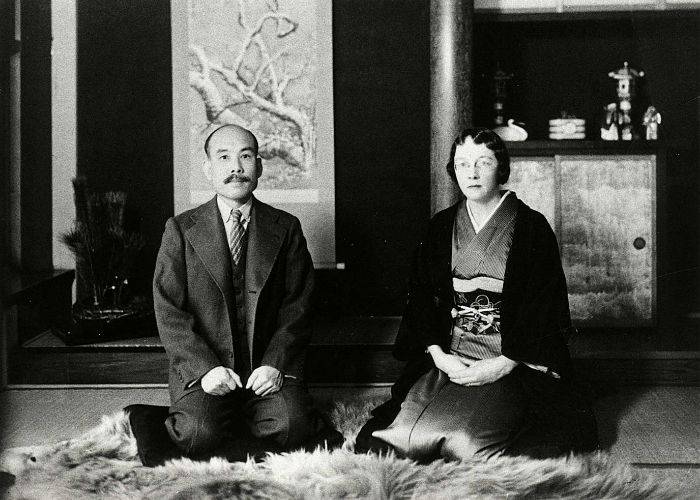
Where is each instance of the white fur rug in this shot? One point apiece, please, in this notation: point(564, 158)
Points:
point(103, 464)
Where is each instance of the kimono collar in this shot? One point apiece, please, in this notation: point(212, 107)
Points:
point(479, 227)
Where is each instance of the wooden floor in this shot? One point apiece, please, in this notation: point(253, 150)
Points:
point(654, 428)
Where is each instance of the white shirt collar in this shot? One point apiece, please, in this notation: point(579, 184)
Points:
point(225, 209)
point(479, 227)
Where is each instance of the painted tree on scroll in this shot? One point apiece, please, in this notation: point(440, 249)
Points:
point(261, 79)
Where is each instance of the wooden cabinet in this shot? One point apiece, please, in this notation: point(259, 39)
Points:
point(535, 182)
point(602, 207)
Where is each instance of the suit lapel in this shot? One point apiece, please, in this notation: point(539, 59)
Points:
point(208, 239)
point(265, 237)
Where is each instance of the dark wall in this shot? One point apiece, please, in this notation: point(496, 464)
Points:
point(7, 48)
point(124, 111)
point(35, 111)
point(382, 132)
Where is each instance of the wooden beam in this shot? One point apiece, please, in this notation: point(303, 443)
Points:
point(451, 60)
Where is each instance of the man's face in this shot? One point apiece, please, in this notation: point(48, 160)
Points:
point(233, 166)
point(476, 169)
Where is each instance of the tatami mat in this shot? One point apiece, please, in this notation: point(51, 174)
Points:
point(653, 428)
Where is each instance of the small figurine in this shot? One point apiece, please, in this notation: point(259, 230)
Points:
point(608, 130)
point(625, 77)
point(500, 78)
point(651, 122)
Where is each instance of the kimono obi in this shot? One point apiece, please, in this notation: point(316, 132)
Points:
point(478, 283)
point(476, 330)
point(478, 268)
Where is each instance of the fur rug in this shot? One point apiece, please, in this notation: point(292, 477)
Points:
point(103, 463)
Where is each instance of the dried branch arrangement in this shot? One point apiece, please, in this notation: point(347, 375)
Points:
point(105, 251)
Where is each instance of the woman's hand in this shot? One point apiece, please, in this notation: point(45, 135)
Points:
point(448, 363)
point(483, 371)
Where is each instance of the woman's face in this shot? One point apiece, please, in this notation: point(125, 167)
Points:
point(476, 169)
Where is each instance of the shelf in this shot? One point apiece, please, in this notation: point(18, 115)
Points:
point(50, 341)
point(535, 147)
point(493, 16)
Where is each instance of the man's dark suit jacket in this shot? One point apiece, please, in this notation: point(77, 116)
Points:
point(194, 297)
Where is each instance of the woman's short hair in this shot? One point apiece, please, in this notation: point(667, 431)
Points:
point(491, 140)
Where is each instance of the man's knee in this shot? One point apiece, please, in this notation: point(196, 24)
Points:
point(287, 418)
point(277, 424)
point(195, 435)
point(302, 426)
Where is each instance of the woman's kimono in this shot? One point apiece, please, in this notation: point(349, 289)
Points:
point(500, 290)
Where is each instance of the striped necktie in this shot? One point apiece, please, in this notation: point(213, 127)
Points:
point(235, 239)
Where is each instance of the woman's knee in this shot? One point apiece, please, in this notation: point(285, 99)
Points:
point(465, 445)
point(365, 442)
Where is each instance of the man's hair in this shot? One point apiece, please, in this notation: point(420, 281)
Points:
point(491, 140)
point(206, 141)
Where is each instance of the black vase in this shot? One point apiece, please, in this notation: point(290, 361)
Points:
point(91, 325)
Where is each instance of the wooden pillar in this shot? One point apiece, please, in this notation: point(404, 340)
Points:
point(451, 28)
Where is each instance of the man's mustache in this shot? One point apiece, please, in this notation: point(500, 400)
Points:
point(237, 178)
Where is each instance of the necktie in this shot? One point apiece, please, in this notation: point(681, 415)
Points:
point(235, 239)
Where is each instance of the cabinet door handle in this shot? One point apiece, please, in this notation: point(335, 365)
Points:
point(639, 243)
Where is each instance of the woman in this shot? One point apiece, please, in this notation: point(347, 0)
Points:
point(484, 330)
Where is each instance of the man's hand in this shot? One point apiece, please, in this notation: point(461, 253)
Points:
point(265, 380)
point(448, 363)
point(483, 371)
point(220, 380)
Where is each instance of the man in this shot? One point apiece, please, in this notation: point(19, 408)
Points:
point(232, 290)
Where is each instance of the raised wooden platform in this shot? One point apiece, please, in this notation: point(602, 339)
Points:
point(357, 350)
